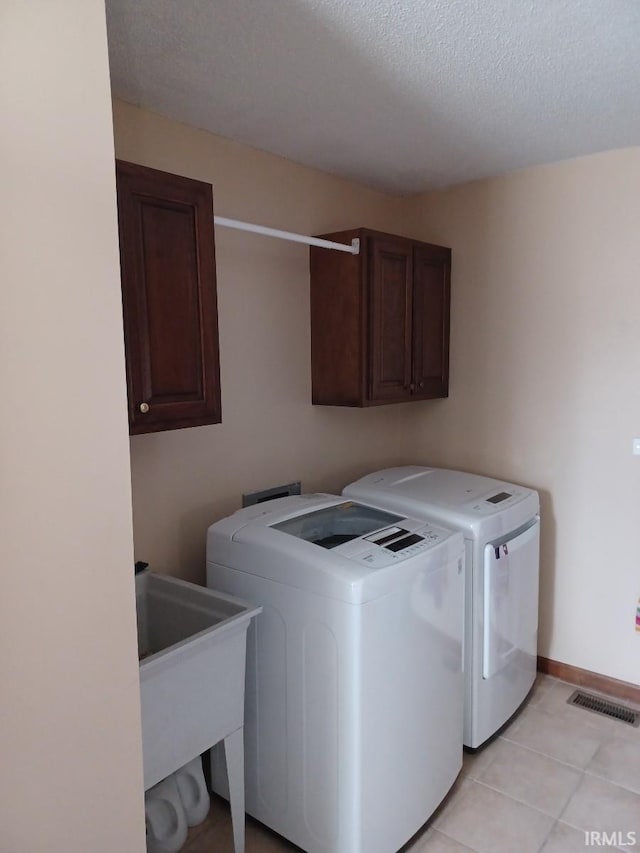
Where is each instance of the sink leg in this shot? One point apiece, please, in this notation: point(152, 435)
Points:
point(234, 754)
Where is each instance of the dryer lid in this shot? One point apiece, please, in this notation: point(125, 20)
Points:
point(453, 497)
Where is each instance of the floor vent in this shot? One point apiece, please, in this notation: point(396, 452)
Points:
point(601, 706)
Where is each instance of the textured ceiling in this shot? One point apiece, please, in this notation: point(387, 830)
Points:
point(403, 96)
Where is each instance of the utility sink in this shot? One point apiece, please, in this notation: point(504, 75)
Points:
point(192, 650)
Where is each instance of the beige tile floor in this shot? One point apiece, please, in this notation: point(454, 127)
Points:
point(553, 774)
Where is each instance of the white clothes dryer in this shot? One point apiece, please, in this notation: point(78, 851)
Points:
point(501, 526)
point(353, 721)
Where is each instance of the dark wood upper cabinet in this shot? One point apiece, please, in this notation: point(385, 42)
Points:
point(167, 261)
point(431, 301)
point(379, 320)
point(391, 302)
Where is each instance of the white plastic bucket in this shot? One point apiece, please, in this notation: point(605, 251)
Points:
point(193, 792)
point(165, 818)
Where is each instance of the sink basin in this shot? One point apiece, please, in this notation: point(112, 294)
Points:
point(192, 650)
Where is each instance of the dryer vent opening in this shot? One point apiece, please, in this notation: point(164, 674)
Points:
point(597, 705)
point(271, 494)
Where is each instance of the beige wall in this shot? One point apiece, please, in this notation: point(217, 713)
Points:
point(70, 758)
point(545, 362)
point(270, 433)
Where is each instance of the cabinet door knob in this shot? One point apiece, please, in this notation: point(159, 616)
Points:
point(144, 408)
point(421, 384)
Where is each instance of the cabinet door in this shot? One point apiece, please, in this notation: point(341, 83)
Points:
point(169, 299)
point(431, 298)
point(391, 277)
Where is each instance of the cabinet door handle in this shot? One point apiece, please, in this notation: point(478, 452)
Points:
point(412, 387)
point(144, 408)
point(421, 384)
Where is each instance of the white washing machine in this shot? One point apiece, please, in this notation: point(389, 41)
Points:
point(501, 527)
point(353, 721)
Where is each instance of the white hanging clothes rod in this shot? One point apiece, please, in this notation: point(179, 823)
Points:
point(353, 248)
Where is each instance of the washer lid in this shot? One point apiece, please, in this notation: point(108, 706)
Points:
point(343, 522)
point(330, 546)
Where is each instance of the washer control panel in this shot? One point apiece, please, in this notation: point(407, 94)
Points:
point(394, 544)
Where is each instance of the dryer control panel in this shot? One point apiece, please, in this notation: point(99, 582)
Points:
point(495, 500)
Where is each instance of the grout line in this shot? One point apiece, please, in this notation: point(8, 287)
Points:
point(522, 802)
point(572, 795)
point(455, 841)
point(546, 754)
point(548, 835)
point(581, 829)
point(554, 820)
point(611, 781)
